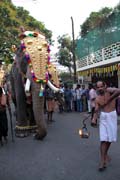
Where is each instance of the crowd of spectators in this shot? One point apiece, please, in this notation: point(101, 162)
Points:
point(79, 99)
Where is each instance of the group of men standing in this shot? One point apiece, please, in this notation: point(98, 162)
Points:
point(80, 98)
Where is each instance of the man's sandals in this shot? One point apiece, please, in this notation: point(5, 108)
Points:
point(102, 167)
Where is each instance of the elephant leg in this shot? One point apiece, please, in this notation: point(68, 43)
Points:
point(22, 128)
point(30, 116)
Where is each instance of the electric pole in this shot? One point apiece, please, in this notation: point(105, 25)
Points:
point(73, 50)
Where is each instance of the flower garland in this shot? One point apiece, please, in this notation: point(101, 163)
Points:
point(27, 57)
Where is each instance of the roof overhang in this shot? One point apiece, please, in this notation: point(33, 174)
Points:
point(100, 64)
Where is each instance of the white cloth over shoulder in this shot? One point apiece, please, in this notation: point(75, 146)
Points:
point(108, 126)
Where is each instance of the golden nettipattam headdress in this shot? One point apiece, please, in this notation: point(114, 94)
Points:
point(54, 74)
point(37, 54)
point(2, 74)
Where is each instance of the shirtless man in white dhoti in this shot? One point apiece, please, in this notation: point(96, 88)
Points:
point(105, 103)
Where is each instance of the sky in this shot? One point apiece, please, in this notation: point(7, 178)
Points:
point(56, 14)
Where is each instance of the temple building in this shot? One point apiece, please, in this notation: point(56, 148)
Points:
point(98, 53)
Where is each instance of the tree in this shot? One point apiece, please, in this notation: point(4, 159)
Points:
point(64, 53)
point(11, 19)
point(95, 20)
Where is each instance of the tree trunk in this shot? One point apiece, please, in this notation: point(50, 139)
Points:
point(70, 71)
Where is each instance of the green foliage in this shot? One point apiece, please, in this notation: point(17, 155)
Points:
point(65, 77)
point(11, 19)
point(103, 31)
point(94, 20)
point(64, 56)
point(64, 41)
point(65, 48)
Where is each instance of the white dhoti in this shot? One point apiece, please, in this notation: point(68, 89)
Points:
point(108, 126)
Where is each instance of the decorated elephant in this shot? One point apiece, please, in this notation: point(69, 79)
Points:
point(29, 74)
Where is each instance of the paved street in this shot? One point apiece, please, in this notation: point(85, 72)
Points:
point(62, 155)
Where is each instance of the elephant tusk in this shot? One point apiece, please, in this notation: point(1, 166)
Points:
point(27, 85)
point(52, 86)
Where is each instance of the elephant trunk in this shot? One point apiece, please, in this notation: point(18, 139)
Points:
point(38, 109)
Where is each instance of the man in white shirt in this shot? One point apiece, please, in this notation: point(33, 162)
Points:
point(78, 98)
point(92, 95)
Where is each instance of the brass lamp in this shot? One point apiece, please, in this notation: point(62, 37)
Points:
point(83, 132)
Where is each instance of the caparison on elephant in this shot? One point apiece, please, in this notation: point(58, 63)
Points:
point(29, 74)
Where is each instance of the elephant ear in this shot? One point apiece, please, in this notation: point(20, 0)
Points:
point(37, 49)
point(20, 61)
point(24, 65)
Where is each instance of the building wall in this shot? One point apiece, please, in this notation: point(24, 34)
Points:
point(102, 64)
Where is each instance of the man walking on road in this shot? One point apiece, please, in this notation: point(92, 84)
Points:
point(105, 102)
point(92, 97)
